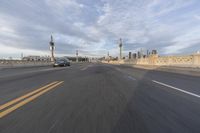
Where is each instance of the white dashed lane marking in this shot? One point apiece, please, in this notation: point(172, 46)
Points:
point(132, 78)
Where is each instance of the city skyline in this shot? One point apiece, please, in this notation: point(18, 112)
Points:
point(94, 27)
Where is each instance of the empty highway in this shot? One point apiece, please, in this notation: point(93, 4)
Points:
point(97, 98)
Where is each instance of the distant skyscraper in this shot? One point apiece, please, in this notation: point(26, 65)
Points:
point(147, 53)
point(139, 55)
point(154, 52)
point(134, 55)
point(129, 55)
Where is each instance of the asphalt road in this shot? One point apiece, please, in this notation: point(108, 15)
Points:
point(98, 98)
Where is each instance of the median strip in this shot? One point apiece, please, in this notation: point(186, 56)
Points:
point(27, 98)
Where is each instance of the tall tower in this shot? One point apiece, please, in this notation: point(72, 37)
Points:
point(120, 49)
point(52, 48)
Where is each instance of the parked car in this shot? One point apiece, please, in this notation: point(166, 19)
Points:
point(61, 62)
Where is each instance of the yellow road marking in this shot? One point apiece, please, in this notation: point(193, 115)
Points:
point(24, 96)
point(11, 109)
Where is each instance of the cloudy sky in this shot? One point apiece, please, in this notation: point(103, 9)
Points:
point(94, 26)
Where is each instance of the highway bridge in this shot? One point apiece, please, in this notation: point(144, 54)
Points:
point(97, 98)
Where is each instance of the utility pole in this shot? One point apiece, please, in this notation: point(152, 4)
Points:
point(52, 48)
point(120, 49)
point(76, 55)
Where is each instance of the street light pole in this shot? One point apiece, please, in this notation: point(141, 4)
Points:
point(52, 48)
point(76, 55)
point(108, 56)
point(120, 49)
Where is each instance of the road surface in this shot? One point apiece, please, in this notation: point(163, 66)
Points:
point(98, 98)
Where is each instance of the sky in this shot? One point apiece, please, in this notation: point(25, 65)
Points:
point(94, 27)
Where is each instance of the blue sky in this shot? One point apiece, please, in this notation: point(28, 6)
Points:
point(94, 26)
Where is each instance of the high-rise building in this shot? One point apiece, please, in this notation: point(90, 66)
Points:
point(139, 55)
point(129, 55)
point(134, 55)
point(154, 52)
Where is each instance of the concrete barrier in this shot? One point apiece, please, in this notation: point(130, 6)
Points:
point(189, 65)
point(192, 61)
point(21, 63)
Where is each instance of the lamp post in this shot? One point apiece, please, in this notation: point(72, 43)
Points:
point(120, 49)
point(108, 56)
point(76, 55)
point(52, 48)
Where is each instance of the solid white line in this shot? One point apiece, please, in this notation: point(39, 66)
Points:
point(175, 88)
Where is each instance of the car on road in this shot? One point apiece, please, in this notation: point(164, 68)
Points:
point(61, 62)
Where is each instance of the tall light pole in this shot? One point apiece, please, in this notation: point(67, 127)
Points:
point(52, 48)
point(22, 56)
point(76, 55)
point(108, 56)
point(120, 48)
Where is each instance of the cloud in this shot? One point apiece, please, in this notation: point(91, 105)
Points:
point(94, 27)
point(183, 42)
point(197, 17)
point(7, 52)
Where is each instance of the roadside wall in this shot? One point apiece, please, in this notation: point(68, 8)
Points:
point(22, 63)
point(155, 60)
